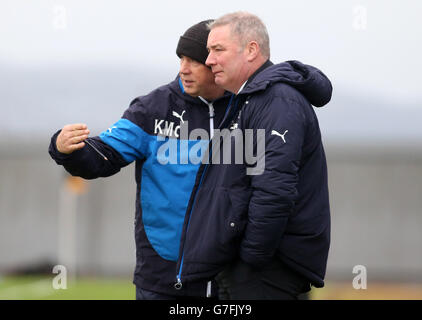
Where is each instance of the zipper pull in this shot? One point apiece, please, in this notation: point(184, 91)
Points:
point(178, 285)
point(208, 294)
point(98, 151)
point(211, 107)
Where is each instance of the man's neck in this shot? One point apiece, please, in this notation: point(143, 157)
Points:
point(215, 94)
point(253, 74)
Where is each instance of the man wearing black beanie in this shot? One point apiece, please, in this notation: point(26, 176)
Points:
point(163, 191)
point(193, 43)
point(192, 51)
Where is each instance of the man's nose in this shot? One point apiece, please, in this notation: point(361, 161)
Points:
point(184, 67)
point(210, 60)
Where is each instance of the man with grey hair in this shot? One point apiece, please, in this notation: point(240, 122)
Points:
point(267, 235)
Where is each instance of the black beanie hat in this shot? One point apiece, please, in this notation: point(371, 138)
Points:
point(193, 43)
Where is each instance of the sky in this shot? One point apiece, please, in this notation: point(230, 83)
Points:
point(367, 48)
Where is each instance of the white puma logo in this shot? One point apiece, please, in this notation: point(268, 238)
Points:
point(279, 134)
point(111, 129)
point(180, 116)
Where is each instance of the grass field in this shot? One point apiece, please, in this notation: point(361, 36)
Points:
point(374, 291)
point(40, 288)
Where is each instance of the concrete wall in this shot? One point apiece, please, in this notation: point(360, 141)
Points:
point(376, 201)
point(376, 204)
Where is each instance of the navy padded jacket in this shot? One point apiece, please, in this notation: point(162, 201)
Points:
point(280, 211)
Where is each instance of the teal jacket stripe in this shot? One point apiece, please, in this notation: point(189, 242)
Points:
point(128, 139)
point(168, 177)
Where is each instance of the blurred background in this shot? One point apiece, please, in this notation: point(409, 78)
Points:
point(84, 61)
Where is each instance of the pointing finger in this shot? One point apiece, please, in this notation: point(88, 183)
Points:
point(77, 133)
point(78, 139)
point(79, 126)
point(74, 147)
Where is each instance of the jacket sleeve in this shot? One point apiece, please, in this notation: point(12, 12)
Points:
point(86, 162)
point(274, 191)
point(121, 144)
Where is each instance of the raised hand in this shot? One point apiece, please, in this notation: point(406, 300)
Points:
point(72, 138)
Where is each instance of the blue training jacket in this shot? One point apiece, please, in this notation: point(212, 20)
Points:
point(151, 133)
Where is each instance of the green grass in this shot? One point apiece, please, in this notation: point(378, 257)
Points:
point(41, 288)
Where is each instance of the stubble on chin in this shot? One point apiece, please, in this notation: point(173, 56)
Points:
point(218, 81)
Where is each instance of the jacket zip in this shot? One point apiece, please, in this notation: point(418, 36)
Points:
point(178, 285)
point(212, 115)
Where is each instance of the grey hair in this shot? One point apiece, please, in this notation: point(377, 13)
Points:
point(246, 27)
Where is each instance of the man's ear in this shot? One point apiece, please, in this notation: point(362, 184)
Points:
point(253, 50)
